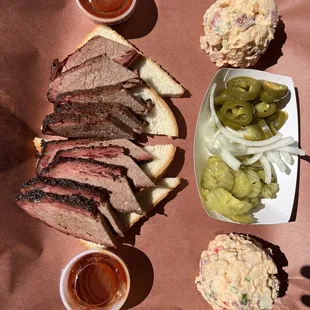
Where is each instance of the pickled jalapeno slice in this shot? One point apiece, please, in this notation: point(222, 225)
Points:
point(277, 120)
point(265, 97)
point(254, 133)
point(236, 112)
point(244, 88)
point(226, 123)
point(277, 91)
point(264, 109)
point(265, 128)
point(223, 97)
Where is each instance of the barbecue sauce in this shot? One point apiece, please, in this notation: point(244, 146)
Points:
point(96, 281)
point(106, 8)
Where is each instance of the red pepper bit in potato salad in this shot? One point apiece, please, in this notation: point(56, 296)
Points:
point(238, 32)
point(235, 273)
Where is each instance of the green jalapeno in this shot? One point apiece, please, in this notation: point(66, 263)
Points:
point(244, 88)
point(226, 123)
point(277, 120)
point(254, 133)
point(236, 112)
point(223, 97)
point(275, 90)
point(258, 132)
point(264, 109)
point(265, 97)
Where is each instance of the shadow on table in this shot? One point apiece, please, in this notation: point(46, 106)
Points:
point(135, 230)
point(305, 272)
point(141, 275)
point(177, 164)
point(15, 140)
point(280, 260)
point(20, 235)
point(142, 21)
point(179, 118)
point(274, 51)
point(296, 199)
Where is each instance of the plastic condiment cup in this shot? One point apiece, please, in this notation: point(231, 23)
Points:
point(68, 298)
point(108, 21)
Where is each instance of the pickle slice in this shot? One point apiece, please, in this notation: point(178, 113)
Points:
point(242, 185)
point(218, 174)
point(226, 204)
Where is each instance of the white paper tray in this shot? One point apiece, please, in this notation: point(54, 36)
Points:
point(277, 210)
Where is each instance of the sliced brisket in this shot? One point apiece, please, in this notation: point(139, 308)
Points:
point(95, 72)
point(124, 55)
point(69, 188)
point(71, 125)
point(98, 174)
point(50, 148)
point(73, 215)
point(107, 94)
point(114, 109)
point(111, 155)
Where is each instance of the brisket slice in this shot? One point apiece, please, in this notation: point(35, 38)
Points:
point(95, 72)
point(107, 94)
point(111, 155)
point(70, 125)
point(73, 215)
point(70, 188)
point(114, 109)
point(98, 174)
point(122, 54)
point(50, 148)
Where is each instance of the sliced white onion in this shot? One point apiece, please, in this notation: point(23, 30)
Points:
point(276, 145)
point(277, 153)
point(288, 158)
point(240, 148)
point(212, 149)
point(267, 169)
point(229, 159)
point(269, 157)
point(273, 158)
point(239, 133)
point(292, 150)
point(225, 143)
point(209, 128)
point(229, 134)
point(220, 151)
point(252, 160)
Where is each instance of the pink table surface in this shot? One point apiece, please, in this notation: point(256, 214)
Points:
point(167, 247)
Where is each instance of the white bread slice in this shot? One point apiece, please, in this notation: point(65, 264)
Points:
point(162, 158)
point(148, 199)
point(162, 154)
point(161, 119)
point(150, 72)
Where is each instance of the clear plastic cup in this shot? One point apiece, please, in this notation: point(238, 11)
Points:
point(95, 279)
point(108, 20)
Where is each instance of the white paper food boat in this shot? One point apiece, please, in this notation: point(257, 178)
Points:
point(275, 211)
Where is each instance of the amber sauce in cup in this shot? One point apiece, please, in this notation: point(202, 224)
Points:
point(106, 8)
point(96, 281)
